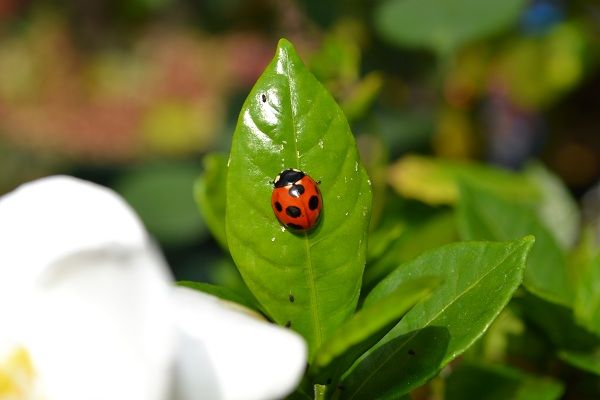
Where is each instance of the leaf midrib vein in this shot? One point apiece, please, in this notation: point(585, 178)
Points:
point(311, 274)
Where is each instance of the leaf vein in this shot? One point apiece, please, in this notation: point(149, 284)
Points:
point(312, 284)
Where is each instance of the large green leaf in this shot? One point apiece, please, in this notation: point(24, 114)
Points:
point(484, 216)
point(312, 280)
point(474, 382)
point(443, 25)
point(479, 280)
point(209, 193)
point(365, 328)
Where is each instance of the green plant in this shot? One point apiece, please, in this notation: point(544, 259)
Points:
point(413, 316)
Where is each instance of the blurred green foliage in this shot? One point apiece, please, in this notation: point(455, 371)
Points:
point(443, 26)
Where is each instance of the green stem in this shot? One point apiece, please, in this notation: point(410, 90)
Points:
point(320, 392)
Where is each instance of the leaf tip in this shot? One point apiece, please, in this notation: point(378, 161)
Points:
point(285, 45)
point(526, 243)
point(286, 51)
point(528, 240)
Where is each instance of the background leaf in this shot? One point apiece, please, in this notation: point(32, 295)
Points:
point(557, 210)
point(443, 25)
point(471, 382)
point(438, 230)
point(154, 189)
point(209, 193)
point(574, 344)
point(586, 360)
point(436, 181)
point(587, 297)
point(310, 281)
point(440, 328)
point(483, 216)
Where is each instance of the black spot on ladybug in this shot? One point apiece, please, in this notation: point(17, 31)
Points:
point(293, 211)
point(411, 352)
point(291, 297)
point(288, 324)
point(293, 226)
point(329, 380)
point(264, 98)
point(278, 206)
point(296, 190)
point(313, 203)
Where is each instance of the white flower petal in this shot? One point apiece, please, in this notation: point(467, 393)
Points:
point(82, 288)
point(226, 354)
point(52, 217)
point(101, 327)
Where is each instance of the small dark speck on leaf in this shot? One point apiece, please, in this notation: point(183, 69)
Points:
point(292, 298)
point(329, 380)
point(411, 352)
point(288, 324)
point(264, 98)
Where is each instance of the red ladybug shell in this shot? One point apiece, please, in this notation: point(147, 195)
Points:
point(296, 200)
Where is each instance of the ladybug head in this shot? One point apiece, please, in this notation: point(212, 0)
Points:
point(288, 177)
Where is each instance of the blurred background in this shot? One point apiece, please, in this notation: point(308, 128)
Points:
point(133, 94)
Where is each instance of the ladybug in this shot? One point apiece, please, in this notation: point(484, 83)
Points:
point(296, 200)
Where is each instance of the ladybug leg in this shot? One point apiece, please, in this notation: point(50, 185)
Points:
point(318, 182)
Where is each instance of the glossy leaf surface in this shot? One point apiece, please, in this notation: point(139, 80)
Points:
point(479, 279)
point(309, 281)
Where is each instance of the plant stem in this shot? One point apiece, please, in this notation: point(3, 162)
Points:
point(320, 392)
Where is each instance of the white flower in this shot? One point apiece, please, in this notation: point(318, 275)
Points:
point(88, 311)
